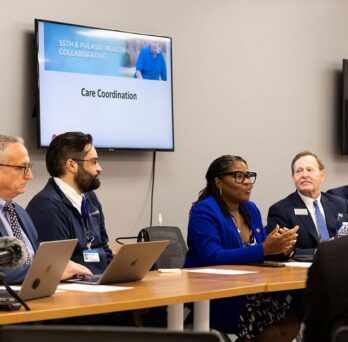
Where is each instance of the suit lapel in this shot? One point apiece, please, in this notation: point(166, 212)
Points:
point(3, 231)
point(24, 227)
point(306, 220)
point(329, 211)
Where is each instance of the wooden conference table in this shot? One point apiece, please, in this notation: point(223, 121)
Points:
point(157, 289)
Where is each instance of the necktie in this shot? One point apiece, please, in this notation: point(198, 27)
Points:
point(84, 211)
point(15, 226)
point(321, 224)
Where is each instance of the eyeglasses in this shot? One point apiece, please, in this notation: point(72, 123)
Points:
point(240, 176)
point(25, 168)
point(94, 161)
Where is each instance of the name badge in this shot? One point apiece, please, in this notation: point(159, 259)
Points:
point(91, 255)
point(301, 211)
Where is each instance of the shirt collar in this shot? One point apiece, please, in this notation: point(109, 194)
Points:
point(73, 196)
point(309, 201)
point(3, 202)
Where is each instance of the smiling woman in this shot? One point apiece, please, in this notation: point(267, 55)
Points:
point(226, 228)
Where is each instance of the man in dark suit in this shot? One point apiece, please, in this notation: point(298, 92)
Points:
point(15, 173)
point(313, 211)
point(341, 191)
point(326, 296)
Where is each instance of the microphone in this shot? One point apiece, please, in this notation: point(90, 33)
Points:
point(12, 252)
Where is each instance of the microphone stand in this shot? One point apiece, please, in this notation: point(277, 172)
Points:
point(12, 292)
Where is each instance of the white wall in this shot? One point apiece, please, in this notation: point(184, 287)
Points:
point(257, 78)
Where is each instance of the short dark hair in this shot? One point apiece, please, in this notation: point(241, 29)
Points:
point(216, 169)
point(69, 145)
point(303, 154)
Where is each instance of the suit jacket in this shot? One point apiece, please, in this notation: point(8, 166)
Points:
point(55, 218)
point(283, 213)
point(17, 275)
point(326, 296)
point(342, 191)
point(213, 239)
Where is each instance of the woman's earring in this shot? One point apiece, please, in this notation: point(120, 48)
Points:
point(220, 192)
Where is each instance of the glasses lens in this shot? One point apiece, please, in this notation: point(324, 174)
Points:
point(27, 168)
point(239, 176)
point(251, 176)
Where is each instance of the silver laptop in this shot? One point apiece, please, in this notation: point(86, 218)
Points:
point(47, 268)
point(131, 263)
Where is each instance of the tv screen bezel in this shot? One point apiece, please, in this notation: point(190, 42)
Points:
point(109, 148)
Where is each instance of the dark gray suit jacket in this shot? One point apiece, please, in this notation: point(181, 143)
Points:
point(326, 295)
point(283, 213)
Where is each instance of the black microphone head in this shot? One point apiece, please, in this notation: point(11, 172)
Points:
point(16, 253)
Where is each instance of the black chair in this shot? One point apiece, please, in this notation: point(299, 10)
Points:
point(340, 332)
point(35, 333)
point(175, 253)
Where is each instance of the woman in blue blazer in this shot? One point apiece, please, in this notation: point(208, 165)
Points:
point(226, 228)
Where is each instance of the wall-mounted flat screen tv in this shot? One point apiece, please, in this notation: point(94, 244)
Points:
point(114, 85)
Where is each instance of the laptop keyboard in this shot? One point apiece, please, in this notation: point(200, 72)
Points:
point(4, 295)
point(93, 277)
point(84, 279)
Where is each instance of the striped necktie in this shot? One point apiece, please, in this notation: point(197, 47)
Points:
point(16, 227)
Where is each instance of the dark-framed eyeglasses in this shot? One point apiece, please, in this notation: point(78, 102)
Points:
point(25, 167)
point(94, 161)
point(240, 176)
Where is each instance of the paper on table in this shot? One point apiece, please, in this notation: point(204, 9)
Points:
point(298, 264)
point(169, 270)
point(13, 287)
point(221, 271)
point(91, 288)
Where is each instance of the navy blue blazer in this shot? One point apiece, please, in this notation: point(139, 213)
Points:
point(341, 191)
point(283, 213)
point(213, 239)
point(55, 218)
point(17, 275)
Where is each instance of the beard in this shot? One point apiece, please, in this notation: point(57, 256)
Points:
point(85, 181)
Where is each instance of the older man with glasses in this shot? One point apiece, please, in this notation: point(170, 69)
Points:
point(15, 173)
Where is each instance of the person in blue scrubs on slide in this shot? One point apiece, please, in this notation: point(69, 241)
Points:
point(151, 64)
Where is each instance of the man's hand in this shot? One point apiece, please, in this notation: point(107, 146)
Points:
point(73, 269)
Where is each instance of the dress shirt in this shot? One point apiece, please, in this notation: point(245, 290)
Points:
point(73, 196)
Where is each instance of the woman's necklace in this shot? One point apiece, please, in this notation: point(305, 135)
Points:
point(236, 220)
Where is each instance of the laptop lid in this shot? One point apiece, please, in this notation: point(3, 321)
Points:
point(47, 268)
point(131, 263)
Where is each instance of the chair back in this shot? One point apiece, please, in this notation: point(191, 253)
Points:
point(175, 253)
point(340, 333)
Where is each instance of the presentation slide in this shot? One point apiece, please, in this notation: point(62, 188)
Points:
point(114, 85)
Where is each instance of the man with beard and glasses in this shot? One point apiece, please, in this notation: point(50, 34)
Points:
point(67, 207)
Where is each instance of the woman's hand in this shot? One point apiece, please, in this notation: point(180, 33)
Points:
point(280, 240)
